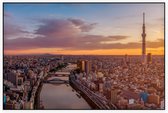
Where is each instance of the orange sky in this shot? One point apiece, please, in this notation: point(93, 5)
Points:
point(158, 51)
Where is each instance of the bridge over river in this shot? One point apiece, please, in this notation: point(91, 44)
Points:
point(56, 81)
point(59, 74)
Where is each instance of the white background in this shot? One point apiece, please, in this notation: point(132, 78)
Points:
point(79, 111)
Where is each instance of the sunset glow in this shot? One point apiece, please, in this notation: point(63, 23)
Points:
point(84, 56)
point(82, 29)
point(158, 51)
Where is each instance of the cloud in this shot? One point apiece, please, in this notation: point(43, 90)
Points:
point(88, 42)
point(67, 34)
point(85, 27)
point(117, 37)
point(63, 27)
point(93, 39)
point(39, 42)
point(80, 42)
point(156, 44)
point(12, 30)
point(130, 45)
point(57, 28)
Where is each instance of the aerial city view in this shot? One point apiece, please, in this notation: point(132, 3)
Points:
point(83, 56)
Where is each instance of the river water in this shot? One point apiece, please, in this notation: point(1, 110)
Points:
point(61, 96)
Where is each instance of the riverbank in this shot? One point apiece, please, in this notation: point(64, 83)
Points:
point(93, 99)
point(86, 97)
point(37, 104)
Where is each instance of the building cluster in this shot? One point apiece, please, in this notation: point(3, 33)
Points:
point(21, 78)
point(125, 81)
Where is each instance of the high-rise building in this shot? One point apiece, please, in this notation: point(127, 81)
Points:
point(95, 68)
point(81, 65)
point(84, 65)
point(100, 85)
point(20, 80)
point(149, 58)
point(125, 61)
point(100, 65)
point(62, 58)
point(87, 66)
point(143, 41)
point(13, 77)
point(112, 96)
point(126, 58)
point(10, 60)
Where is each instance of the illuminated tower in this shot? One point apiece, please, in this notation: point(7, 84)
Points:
point(143, 41)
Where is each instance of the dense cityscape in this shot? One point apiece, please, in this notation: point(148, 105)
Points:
point(123, 80)
point(50, 80)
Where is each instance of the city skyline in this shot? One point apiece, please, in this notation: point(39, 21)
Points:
point(81, 29)
point(83, 56)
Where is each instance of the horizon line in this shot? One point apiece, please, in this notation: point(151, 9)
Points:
point(83, 54)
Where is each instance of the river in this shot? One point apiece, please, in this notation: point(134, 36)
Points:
point(61, 96)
